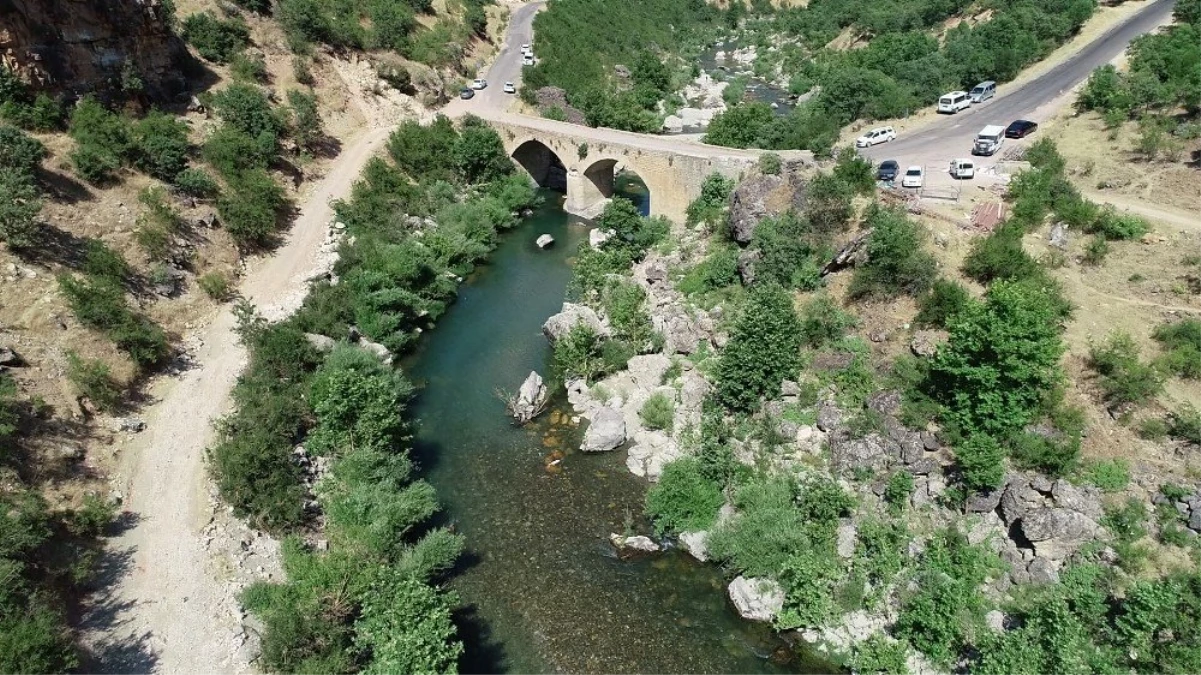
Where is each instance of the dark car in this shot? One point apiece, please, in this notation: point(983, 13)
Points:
point(888, 170)
point(1020, 129)
point(466, 93)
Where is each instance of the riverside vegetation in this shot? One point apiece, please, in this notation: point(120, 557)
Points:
point(871, 559)
point(368, 597)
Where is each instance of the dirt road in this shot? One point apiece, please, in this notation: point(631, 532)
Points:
point(164, 609)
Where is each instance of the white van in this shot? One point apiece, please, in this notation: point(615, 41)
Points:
point(983, 91)
point(989, 140)
point(954, 102)
point(963, 169)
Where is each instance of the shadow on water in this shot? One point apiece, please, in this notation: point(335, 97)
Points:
point(541, 588)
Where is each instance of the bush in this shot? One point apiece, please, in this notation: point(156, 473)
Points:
point(232, 151)
point(160, 145)
point(683, 500)
point(945, 301)
point(480, 154)
point(855, 171)
point(658, 412)
point(100, 303)
point(980, 463)
point(717, 270)
point(19, 208)
point(246, 108)
point(632, 234)
point(767, 530)
point(1095, 251)
point(215, 285)
point(1185, 424)
point(1000, 256)
point(898, 490)
point(1053, 455)
point(406, 626)
point(896, 263)
point(215, 40)
point(248, 68)
point(828, 204)
point(709, 208)
point(625, 305)
point(250, 209)
point(1181, 342)
point(1113, 225)
point(770, 164)
point(1111, 475)
point(306, 119)
point(425, 152)
point(823, 323)
point(102, 262)
point(764, 349)
point(787, 254)
point(1124, 378)
point(93, 379)
point(739, 126)
point(19, 151)
point(102, 137)
point(196, 183)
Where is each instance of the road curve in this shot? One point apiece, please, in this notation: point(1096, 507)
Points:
point(952, 135)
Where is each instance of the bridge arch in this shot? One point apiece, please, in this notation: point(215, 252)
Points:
point(542, 164)
point(594, 180)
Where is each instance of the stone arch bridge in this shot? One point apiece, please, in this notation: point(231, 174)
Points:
point(582, 161)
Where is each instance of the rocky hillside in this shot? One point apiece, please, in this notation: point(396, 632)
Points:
point(80, 46)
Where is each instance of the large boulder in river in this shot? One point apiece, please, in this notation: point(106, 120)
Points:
point(530, 398)
point(572, 314)
point(756, 599)
point(606, 431)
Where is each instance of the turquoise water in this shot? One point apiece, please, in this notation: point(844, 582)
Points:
point(542, 589)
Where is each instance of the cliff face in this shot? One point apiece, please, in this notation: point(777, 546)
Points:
point(79, 46)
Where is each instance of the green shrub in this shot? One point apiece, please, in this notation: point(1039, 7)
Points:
point(1124, 378)
point(19, 208)
point(632, 234)
point(709, 208)
point(1111, 475)
point(856, 171)
point(898, 490)
point(356, 401)
point(103, 138)
point(93, 164)
point(196, 183)
point(425, 152)
point(232, 151)
point(766, 532)
point(215, 285)
point(1053, 455)
point(250, 208)
point(578, 354)
point(945, 301)
point(19, 151)
point(625, 305)
point(1185, 423)
point(160, 145)
point(248, 68)
point(1153, 429)
point(788, 252)
point(823, 323)
point(216, 40)
point(102, 262)
point(305, 125)
point(658, 412)
point(1113, 225)
point(1181, 342)
point(879, 654)
point(93, 379)
point(683, 500)
point(896, 263)
point(479, 153)
point(100, 303)
point(828, 204)
point(1000, 256)
point(717, 270)
point(246, 108)
point(1096, 250)
point(764, 349)
point(406, 626)
point(770, 164)
point(980, 461)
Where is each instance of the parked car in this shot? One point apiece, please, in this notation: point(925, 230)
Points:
point(1020, 129)
point(527, 60)
point(983, 91)
point(877, 135)
point(466, 93)
point(479, 83)
point(915, 176)
point(963, 169)
point(509, 88)
point(525, 48)
point(953, 102)
point(888, 170)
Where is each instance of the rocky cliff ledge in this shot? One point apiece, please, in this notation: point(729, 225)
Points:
point(79, 46)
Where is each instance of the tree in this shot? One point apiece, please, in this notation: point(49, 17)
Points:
point(740, 126)
point(1001, 360)
point(855, 171)
point(246, 108)
point(306, 119)
point(632, 234)
point(20, 204)
point(828, 204)
point(764, 349)
point(896, 263)
point(214, 39)
point(250, 207)
point(480, 154)
point(425, 151)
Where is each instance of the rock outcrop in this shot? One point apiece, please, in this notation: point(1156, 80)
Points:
point(530, 399)
point(606, 431)
point(572, 314)
point(756, 599)
point(81, 46)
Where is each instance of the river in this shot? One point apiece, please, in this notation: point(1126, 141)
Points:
point(542, 589)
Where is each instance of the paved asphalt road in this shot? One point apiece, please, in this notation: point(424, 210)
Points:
point(952, 135)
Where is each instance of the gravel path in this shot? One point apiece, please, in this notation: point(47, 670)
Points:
point(169, 584)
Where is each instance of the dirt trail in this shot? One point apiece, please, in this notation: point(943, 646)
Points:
point(164, 609)
point(1162, 214)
